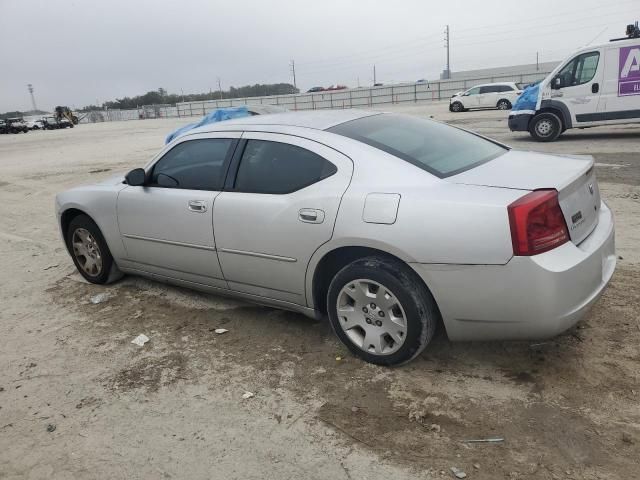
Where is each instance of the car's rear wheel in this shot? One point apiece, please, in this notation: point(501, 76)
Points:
point(89, 250)
point(381, 311)
point(457, 107)
point(504, 104)
point(545, 127)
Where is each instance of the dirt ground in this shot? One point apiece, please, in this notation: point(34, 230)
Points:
point(78, 400)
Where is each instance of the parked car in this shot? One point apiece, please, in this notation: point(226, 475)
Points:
point(389, 224)
point(17, 125)
point(64, 123)
point(4, 128)
point(35, 125)
point(50, 123)
point(315, 89)
point(337, 87)
point(596, 85)
point(491, 95)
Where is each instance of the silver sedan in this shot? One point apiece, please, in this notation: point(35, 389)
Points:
point(388, 225)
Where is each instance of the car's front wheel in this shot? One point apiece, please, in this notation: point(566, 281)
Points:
point(545, 127)
point(89, 250)
point(381, 310)
point(457, 107)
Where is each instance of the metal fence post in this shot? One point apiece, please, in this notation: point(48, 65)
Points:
point(439, 90)
point(191, 109)
point(415, 92)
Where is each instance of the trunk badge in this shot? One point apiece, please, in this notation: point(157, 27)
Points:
point(591, 188)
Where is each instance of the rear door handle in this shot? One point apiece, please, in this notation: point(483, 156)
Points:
point(199, 206)
point(311, 215)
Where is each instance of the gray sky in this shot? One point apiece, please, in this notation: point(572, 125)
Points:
point(77, 52)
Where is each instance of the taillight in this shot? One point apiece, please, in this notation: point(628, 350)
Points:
point(537, 224)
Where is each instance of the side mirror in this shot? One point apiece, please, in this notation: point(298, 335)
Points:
point(135, 177)
point(556, 83)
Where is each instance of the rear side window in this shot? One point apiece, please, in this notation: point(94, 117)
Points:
point(489, 89)
point(435, 147)
point(193, 165)
point(505, 88)
point(279, 168)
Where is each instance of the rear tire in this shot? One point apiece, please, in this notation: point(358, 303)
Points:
point(504, 104)
point(380, 309)
point(545, 127)
point(89, 250)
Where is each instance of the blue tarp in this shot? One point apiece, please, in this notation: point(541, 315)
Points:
point(212, 117)
point(527, 102)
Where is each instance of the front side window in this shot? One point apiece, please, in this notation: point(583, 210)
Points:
point(193, 165)
point(505, 88)
point(279, 168)
point(435, 147)
point(473, 91)
point(580, 70)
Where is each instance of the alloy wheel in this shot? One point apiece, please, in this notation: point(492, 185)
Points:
point(372, 317)
point(87, 252)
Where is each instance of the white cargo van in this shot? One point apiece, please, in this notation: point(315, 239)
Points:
point(597, 85)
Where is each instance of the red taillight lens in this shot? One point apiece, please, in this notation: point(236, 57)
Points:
point(537, 223)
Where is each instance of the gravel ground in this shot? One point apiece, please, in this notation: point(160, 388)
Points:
point(78, 400)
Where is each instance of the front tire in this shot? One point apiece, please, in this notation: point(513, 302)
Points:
point(89, 250)
point(380, 309)
point(457, 107)
point(545, 127)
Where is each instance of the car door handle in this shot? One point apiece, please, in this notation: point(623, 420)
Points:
point(199, 206)
point(311, 215)
point(595, 88)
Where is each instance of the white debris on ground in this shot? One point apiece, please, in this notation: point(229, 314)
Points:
point(248, 395)
point(140, 340)
point(220, 331)
point(458, 473)
point(99, 298)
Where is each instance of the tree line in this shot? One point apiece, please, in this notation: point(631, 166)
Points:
point(161, 97)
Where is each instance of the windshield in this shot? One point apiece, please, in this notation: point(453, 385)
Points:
point(435, 147)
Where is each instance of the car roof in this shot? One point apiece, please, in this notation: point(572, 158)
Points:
point(495, 83)
point(316, 119)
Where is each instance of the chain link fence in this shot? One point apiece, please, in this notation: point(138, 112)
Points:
point(365, 97)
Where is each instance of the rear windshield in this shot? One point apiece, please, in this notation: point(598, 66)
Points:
point(435, 147)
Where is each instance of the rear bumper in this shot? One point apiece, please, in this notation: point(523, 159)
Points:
point(519, 123)
point(529, 297)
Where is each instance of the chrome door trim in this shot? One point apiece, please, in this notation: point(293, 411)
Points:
point(260, 255)
point(169, 242)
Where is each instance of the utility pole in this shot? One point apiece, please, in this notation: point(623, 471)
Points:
point(220, 88)
point(374, 75)
point(447, 71)
point(293, 71)
point(33, 100)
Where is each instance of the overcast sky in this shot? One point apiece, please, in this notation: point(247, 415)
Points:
point(79, 52)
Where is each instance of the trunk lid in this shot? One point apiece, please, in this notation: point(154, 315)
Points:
point(573, 176)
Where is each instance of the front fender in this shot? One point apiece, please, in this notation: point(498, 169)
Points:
point(100, 203)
